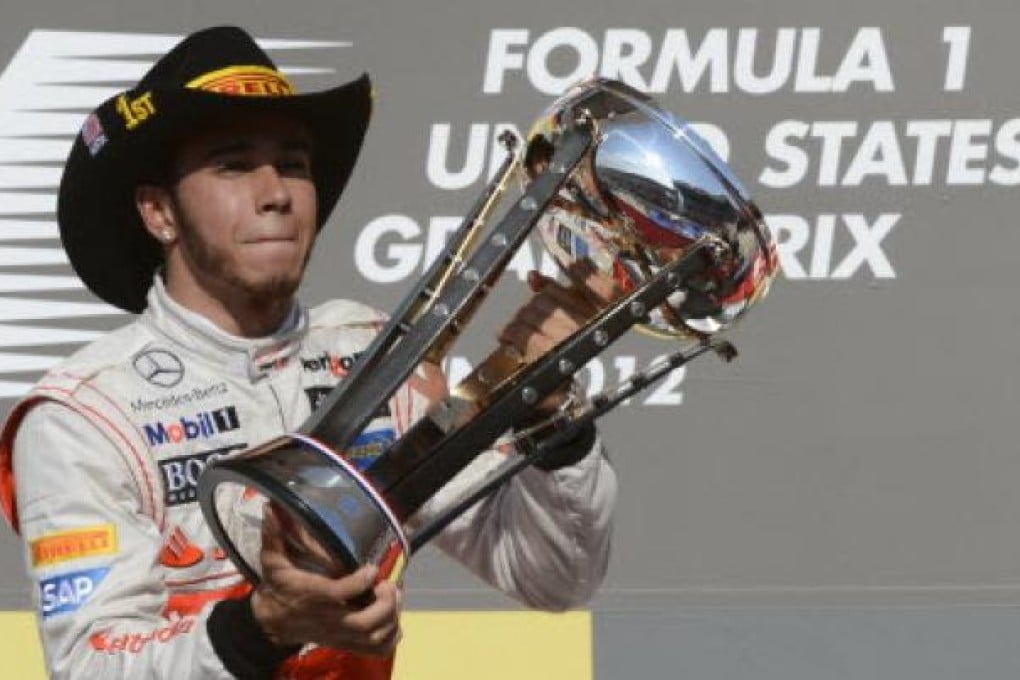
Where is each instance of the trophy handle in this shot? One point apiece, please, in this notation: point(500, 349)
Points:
point(562, 427)
point(431, 317)
point(429, 455)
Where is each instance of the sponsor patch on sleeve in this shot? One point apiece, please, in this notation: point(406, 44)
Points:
point(73, 544)
point(64, 593)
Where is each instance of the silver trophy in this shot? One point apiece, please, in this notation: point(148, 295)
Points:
point(611, 182)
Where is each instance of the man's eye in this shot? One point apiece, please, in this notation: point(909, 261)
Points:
point(233, 165)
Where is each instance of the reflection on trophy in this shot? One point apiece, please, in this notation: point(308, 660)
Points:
point(612, 183)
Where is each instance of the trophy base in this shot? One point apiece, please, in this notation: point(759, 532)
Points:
point(322, 496)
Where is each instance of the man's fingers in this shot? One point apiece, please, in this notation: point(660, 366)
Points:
point(272, 555)
point(537, 329)
point(353, 585)
point(598, 287)
point(536, 280)
point(287, 543)
point(386, 639)
point(519, 335)
point(384, 648)
point(589, 290)
point(376, 620)
point(291, 580)
point(302, 584)
point(571, 298)
point(556, 298)
point(351, 612)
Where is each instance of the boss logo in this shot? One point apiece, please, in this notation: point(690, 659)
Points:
point(180, 475)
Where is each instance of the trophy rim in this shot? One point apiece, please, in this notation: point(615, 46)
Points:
point(242, 471)
point(359, 478)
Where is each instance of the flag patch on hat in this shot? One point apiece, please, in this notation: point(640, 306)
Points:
point(92, 134)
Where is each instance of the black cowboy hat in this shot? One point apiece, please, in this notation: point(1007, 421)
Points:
point(212, 75)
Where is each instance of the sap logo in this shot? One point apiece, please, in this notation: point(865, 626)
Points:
point(202, 426)
point(66, 592)
point(338, 366)
point(180, 475)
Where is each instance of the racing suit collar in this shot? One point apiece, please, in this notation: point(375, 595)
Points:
point(253, 357)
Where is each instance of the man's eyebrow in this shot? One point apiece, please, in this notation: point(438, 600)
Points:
point(299, 144)
point(229, 147)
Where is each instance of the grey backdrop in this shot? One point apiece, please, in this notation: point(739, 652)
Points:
point(860, 453)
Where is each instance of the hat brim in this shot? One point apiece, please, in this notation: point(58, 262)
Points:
point(101, 230)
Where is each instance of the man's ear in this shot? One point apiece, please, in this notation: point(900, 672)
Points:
point(157, 212)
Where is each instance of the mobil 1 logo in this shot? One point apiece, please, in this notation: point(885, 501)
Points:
point(180, 474)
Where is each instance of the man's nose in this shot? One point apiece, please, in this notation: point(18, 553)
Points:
point(272, 192)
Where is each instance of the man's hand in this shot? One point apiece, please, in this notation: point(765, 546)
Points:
point(551, 315)
point(555, 311)
point(298, 605)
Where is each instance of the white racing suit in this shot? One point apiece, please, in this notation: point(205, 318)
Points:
point(98, 473)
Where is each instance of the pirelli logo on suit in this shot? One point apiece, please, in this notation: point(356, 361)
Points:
point(73, 544)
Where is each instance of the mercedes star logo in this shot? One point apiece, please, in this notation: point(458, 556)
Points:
point(159, 367)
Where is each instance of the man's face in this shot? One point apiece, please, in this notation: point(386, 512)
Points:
point(245, 205)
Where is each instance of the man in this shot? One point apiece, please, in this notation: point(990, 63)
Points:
point(205, 185)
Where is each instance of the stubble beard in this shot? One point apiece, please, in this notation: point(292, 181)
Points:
point(217, 275)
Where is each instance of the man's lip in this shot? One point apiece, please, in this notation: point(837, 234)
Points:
point(272, 239)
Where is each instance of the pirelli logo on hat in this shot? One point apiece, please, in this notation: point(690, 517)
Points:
point(74, 544)
point(244, 81)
